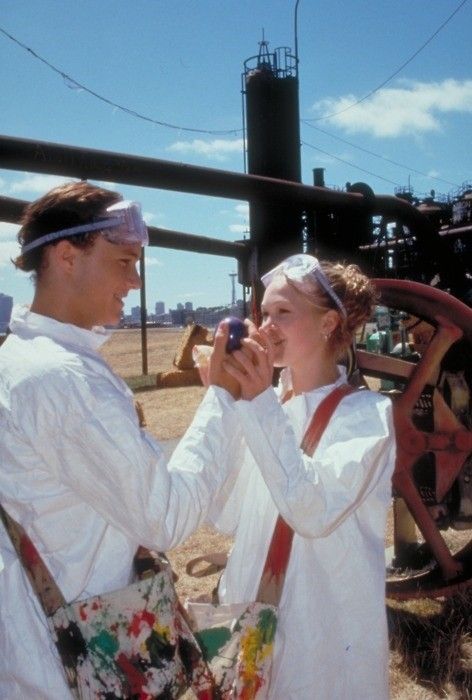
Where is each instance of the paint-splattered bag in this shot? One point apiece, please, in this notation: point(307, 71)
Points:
point(237, 642)
point(133, 643)
point(137, 642)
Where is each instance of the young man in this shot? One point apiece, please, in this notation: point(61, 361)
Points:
point(76, 471)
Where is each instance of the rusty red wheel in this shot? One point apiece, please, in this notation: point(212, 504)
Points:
point(433, 567)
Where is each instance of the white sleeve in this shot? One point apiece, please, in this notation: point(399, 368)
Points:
point(225, 510)
point(89, 438)
point(315, 494)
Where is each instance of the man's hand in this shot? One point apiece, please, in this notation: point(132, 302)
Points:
point(217, 371)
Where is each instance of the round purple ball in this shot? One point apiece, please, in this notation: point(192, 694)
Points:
point(237, 331)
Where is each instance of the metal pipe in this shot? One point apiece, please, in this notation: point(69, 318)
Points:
point(143, 310)
point(87, 163)
point(166, 238)
point(11, 210)
point(73, 161)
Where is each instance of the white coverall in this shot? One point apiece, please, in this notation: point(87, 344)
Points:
point(331, 641)
point(87, 484)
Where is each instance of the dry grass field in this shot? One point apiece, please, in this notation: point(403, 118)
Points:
point(430, 641)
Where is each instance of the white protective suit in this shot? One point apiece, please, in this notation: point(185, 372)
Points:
point(331, 640)
point(87, 484)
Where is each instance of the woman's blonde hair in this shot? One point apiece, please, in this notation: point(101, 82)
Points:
point(358, 295)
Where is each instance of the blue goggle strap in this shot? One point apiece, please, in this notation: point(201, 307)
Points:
point(65, 232)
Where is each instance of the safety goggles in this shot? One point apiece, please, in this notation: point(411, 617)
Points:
point(123, 223)
point(304, 270)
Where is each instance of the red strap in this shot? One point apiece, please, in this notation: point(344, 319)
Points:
point(255, 306)
point(321, 417)
point(273, 575)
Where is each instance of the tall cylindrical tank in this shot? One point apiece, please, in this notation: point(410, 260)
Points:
point(273, 149)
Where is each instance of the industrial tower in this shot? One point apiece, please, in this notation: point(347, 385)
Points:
point(272, 128)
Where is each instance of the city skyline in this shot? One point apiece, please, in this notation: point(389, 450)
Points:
point(180, 315)
point(150, 305)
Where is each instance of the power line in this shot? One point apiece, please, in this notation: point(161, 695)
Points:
point(131, 112)
point(395, 73)
point(169, 125)
point(352, 165)
point(377, 155)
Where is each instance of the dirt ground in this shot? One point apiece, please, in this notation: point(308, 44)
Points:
point(168, 412)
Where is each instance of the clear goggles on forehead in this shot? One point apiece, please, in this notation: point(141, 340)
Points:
point(304, 270)
point(123, 223)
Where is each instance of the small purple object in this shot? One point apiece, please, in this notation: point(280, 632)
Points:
point(237, 330)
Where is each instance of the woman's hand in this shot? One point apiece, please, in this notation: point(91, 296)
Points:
point(201, 357)
point(252, 366)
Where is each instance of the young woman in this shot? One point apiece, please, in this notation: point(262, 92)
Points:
point(331, 641)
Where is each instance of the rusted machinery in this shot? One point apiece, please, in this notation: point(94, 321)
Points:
point(433, 471)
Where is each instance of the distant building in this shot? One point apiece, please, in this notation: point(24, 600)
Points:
point(205, 316)
point(178, 316)
point(6, 305)
point(136, 314)
point(159, 308)
point(210, 317)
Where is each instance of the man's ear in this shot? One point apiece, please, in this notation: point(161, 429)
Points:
point(63, 255)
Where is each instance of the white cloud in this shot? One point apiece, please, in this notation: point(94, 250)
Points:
point(108, 185)
point(190, 295)
point(8, 250)
point(412, 108)
point(148, 217)
point(37, 184)
point(242, 209)
point(8, 231)
point(217, 149)
point(153, 262)
point(242, 212)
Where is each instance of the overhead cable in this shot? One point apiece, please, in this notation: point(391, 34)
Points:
point(221, 132)
point(352, 165)
point(132, 112)
point(377, 155)
point(395, 73)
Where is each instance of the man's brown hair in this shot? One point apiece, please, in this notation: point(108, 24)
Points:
point(71, 204)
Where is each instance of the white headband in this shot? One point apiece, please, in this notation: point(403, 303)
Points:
point(299, 268)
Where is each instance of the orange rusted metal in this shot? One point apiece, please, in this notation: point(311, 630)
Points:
point(451, 442)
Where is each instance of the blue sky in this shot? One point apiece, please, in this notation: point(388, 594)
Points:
point(180, 62)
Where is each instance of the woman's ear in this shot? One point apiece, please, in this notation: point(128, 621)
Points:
point(330, 322)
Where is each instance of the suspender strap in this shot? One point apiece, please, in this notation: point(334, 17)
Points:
point(38, 574)
point(322, 416)
point(273, 574)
